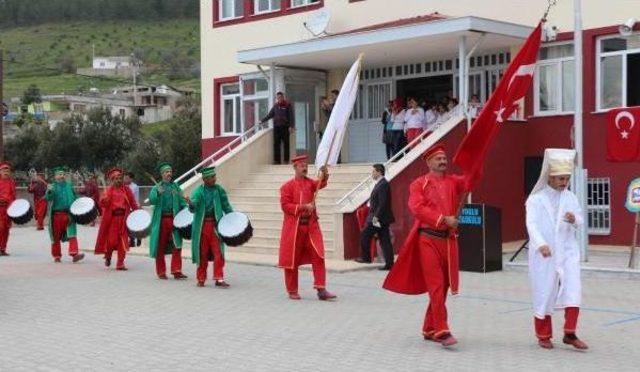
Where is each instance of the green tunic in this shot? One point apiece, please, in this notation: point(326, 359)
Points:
point(170, 200)
point(202, 197)
point(60, 199)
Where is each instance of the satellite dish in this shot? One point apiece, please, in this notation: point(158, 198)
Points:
point(318, 22)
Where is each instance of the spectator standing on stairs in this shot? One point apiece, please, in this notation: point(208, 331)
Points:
point(283, 127)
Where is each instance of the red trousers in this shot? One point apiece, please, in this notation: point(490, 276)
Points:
point(166, 239)
point(210, 246)
point(435, 266)
point(413, 133)
point(5, 226)
point(304, 248)
point(40, 213)
point(116, 241)
point(544, 330)
point(59, 223)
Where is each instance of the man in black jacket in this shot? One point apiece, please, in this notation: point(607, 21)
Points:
point(378, 221)
point(282, 115)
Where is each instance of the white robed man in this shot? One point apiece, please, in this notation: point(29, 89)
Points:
point(553, 216)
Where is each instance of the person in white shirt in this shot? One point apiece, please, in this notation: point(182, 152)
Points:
point(553, 216)
point(135, 189)
point(397, 127)
point(430, 118)
point(414, 120)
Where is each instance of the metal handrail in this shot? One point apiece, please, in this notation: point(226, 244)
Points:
point(211, 159)
point(458, 110)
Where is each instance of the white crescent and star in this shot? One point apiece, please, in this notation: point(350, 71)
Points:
point(625, 114)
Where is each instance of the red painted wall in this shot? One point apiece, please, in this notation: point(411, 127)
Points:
point(211, 145)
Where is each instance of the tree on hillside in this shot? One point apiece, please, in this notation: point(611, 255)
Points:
point(66, 64)
point(185, 134)
point(33, 12)
point(23, 149)
point(31, 95)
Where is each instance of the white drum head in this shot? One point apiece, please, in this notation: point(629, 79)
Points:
point(183, 219)
point(82, 206)
point(18, 208)
point(233, 224)
point(138, 220)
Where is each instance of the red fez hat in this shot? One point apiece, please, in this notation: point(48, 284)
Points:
point(436, 149)
point(299, 159)
point(5, 165)
point(114, 172)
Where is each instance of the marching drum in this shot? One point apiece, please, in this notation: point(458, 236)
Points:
point(182, 222)
point(84, 210)
point(20, 211)
point(235, 229)
point(139, 224)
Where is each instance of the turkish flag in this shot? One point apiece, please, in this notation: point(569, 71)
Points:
point(513, 86)
point(623, 134)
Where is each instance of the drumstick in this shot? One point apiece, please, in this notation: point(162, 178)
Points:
point(158, 184)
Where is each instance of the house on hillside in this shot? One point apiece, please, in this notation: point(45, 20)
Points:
point(110, 66)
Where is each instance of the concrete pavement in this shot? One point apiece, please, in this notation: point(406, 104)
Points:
point(84, 317)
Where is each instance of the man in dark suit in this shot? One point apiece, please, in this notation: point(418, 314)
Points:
point(378, 221)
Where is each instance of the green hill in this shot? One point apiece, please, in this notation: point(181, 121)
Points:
point(47, 55)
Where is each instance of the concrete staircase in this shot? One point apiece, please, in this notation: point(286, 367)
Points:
point(258, 195)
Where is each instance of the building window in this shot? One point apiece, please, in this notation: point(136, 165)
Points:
point(554, 80)
point(255, 100)
point(230, 109)
point(599, 206)
point(371, 101)
point(378, 96)
point(618, 72)
point(299, 3)
point(230, 9)
point(266, 6)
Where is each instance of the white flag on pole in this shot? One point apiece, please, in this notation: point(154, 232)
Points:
point(331, 144)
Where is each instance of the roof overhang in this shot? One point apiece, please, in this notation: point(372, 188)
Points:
point(417, 42)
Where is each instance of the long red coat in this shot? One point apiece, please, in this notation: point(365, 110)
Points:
point(293, 194)
point(431, 198)
point(38, 189)
point(107, 209)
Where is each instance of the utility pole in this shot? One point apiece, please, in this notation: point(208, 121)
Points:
point(135, 88)
point(1, 105)
point(581, 176)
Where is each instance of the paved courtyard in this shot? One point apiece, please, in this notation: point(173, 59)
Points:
point(84, 317)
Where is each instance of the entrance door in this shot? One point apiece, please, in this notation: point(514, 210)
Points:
point(429, 89)
point(303, 99)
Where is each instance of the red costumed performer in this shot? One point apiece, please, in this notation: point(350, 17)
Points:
point(7, 196)
point(301, 239)
point(117, 202)
point(428, 261)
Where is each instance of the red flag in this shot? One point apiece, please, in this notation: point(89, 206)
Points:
point(512, 87)
point(623, 134)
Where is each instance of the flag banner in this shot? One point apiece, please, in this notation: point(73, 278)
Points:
point(623, 134)
point(333, 136)
point(513, 86)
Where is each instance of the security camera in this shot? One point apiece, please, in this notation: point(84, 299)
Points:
point(626, 28)
point(550, 33)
